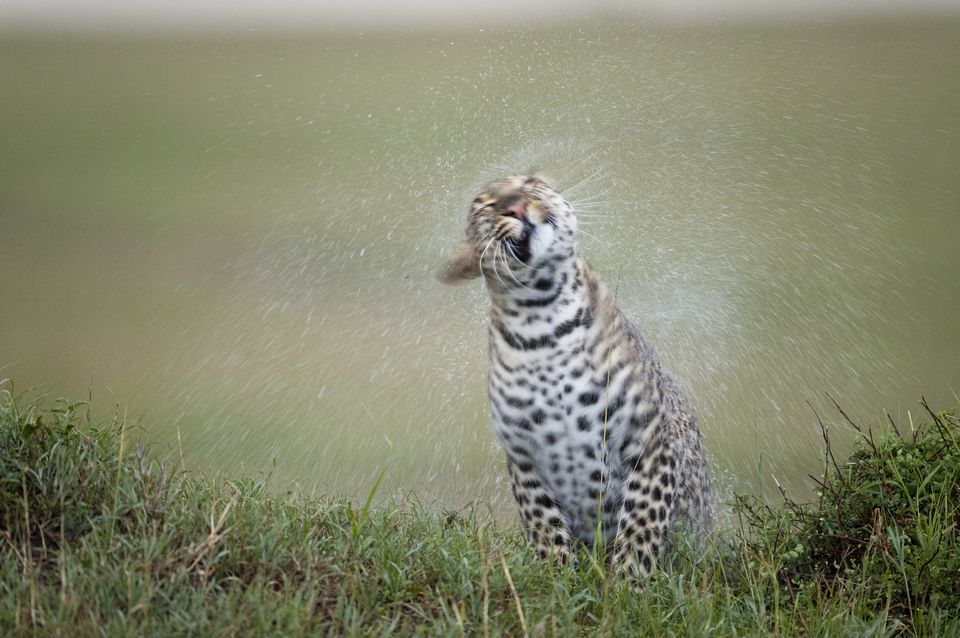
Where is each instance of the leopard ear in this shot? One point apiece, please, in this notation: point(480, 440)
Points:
point(462, 267)
point(539, 176)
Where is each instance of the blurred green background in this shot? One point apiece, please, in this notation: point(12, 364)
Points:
point(233, 238)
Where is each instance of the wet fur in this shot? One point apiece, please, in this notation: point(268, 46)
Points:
point(593, 428)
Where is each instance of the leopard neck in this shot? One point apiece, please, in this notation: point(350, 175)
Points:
point(550, 309)
point(525, 290)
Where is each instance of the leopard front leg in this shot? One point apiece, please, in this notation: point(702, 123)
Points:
point(546, 526)
point(645, 513)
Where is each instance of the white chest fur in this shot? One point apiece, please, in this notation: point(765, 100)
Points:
point(555, 408)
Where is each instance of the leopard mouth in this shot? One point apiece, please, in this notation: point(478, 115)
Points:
point(520, 245)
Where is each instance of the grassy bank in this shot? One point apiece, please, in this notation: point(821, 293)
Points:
point(100, 539)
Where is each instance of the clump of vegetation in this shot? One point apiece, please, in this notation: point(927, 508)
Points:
point(885, 527)
point(98, 539)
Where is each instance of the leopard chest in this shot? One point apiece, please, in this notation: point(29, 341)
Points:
point(552, 412)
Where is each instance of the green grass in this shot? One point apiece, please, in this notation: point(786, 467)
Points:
point(98, 539)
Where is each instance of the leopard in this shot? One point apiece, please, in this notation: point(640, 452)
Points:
point(602, 447)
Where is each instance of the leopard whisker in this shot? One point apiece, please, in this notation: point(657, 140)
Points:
point(506, 265)
point(556, 277)
point(590, 158)
point(585, 181)
point(581, 214)
point(484, 252)
point(589, 222)
point(591, 205)
point(588, 201)
point(590, 198)
point(603, 243)
point(495, 251)
point(516, 257)
point(501, 253)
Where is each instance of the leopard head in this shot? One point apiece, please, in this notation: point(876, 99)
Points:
point(515, 225)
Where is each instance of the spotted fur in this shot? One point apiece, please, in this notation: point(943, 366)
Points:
point(594, 430)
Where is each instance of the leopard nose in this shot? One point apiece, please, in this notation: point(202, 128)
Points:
point(517, 207)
